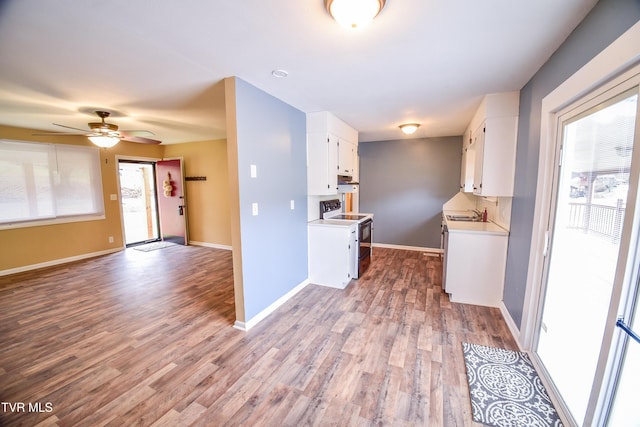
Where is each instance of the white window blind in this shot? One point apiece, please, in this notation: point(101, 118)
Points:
point(48, 182)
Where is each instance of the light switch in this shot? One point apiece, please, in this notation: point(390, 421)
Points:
point(254, 209)
point(293, 204)
point(114, 197)
point(254, 171)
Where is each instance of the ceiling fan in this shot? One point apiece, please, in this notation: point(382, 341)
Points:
point(105, 134)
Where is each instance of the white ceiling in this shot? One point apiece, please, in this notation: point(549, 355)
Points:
point(158, 64)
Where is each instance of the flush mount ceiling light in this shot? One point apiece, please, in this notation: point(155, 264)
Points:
point(104, 141)
point(279, 73)
point(354, 13)
point(409, 128)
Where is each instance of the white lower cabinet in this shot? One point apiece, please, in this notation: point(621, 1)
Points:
point(333, 254)
point(475, 267)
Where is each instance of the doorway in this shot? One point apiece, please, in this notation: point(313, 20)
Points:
point(172, 201)
point(139, 202)
point(589, 255)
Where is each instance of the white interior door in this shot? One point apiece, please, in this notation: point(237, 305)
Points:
point(586, 225)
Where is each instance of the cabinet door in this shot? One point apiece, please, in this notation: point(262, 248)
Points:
point(495, 157)
point(463, 168)
point(329, 256)
point(353, 251)
point(478, 143)
point(333, 161)
point(322, 164)
point(468, 163)
point(346, 152)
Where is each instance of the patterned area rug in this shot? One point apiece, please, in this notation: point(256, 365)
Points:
point(506, 389)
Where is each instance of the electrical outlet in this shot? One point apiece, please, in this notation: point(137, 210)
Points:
point(254, 209)
point(110, 239)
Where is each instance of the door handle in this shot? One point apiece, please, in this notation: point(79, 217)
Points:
point(181, 210)
point(620, 324)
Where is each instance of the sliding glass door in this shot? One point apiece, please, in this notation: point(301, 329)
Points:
point(583, 273)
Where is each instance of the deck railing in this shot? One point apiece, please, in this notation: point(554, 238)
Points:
point(600, 219)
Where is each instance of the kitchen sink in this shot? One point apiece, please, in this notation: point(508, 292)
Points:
point(464, 218)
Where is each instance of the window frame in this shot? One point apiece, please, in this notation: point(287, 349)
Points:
point(58, 218)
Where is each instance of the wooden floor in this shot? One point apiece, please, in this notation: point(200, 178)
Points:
point(146, 338)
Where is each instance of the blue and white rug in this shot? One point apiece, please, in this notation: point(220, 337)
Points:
point(506, 390)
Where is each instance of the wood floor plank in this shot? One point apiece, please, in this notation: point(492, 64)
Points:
point(147, 338)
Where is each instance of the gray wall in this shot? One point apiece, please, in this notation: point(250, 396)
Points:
point(606, 22)
point(272, 136)
point(404, 184)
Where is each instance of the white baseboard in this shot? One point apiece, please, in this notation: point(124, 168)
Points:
point(408, 248)
point(245, 326)
point(210, 245)
point(510, 324)
point(57, 262)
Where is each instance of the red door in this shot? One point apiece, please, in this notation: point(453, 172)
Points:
point(172, 205)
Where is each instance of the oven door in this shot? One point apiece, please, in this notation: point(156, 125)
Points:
point(365, 229)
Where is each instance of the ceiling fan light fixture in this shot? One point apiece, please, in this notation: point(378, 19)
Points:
point(409, 128)
point(104, 141)
point(354, 14)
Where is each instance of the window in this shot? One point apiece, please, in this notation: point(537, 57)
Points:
point(48, 183)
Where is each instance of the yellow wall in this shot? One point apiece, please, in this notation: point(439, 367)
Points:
point(22, 247)
point(207, 201)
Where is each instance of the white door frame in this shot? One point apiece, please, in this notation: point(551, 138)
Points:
point(612, 66)
point(621, 55)
point(123, 157)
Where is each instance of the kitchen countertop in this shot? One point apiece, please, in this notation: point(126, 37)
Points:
point(332, 222)
point(472, 226)
point(342, 222)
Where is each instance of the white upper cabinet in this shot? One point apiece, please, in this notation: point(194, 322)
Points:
point(492, 152)
point(468, 164)
point(331, 151)
point(346, 157)
point(322, 164)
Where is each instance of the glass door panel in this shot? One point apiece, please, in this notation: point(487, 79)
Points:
point(586, 226)
point(139, 202)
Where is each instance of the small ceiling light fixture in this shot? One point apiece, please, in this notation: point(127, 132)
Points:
point(409, 128)
point(279, 73)
point(354, 13)
point(104, 141)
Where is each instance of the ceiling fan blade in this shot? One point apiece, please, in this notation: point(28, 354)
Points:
point(69, 127)
point(139, 139)
point(136, 132)
point(59, 134)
